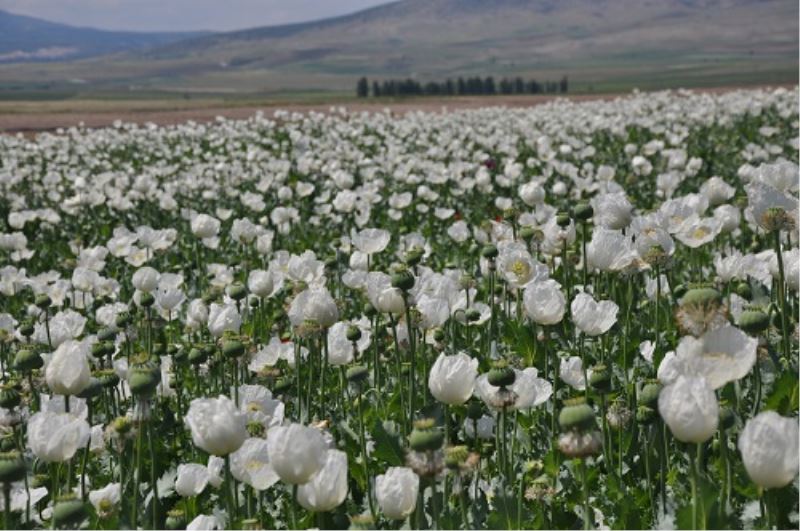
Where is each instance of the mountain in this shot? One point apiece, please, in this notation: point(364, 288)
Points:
point(597, 43)
point(25, 39)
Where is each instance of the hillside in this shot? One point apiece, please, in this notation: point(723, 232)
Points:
point(25, 39)
point(600, 43)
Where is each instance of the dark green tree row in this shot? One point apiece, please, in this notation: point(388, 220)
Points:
point(459, 87)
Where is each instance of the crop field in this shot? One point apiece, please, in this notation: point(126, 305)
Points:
point(582, 314)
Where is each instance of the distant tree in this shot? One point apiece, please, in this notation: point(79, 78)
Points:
point(506, 86)
point(519, 86)
point(449, 87)
point(563, 85)
point(376, 89)
point(362, 88)
point(488, 86)
point(461, 86)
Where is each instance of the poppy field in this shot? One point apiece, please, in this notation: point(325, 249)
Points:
point(573, 315)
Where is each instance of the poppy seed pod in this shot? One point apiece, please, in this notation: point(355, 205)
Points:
point(562, 219)
point(197, 356)
point(701, 297)
point(600, 379)
point(489, 252)
point(176, 519)
point(236, 291)
point(472, 315)
point(744, 290)
point(357, 374)
point(233, 348)
point(645, 415)
point(353, 333)
point(9, 397)
point(527, 233)
point(12, 467)
point(474, 410)
point(42, 301)
point(146, 300)
point(576, 415)
point(753, 321)
point(403, 280)
point(108, 378)
point(648, 396)
point(123, 319)
point(26, 329)
point(426, 439)
point(583, 211)
point(69, 512)
point(727, 418)
point(281, 386)
point(27, 360)
point(502, 376)
point(143, 379)
point(413, 257)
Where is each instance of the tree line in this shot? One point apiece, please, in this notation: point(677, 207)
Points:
point(458, 87)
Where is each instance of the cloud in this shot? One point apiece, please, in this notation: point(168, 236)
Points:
point(183, 15)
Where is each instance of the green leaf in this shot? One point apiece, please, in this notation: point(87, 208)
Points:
point(784, 395)
point(387, 445)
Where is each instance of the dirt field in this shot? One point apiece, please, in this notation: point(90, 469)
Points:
point(30, 118)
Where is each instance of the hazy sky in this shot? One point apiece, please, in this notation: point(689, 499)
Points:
point(180, 15)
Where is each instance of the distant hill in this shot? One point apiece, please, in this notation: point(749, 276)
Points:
point(25, 39)
point(600, 44)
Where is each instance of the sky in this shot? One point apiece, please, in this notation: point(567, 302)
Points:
point(183, 15)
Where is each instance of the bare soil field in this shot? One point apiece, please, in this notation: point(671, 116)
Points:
point(30, 118)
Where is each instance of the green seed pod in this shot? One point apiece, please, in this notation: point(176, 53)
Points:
point(331, 263)
point(9, 397)
point(26, 329)
point(472, 315)
point(645, 415)
point(455, 456)
point(281, 386)
point(232, 348)
point(502, 376)
point(583, 211)
point(753, 321)
point(776, 319)
point(27, 360)
point(98, 350)
point(108, 378)
point(69, 512)
point(438, 335)
point(562, 219)
point(42, 301)
point(106, 334)
point(236, 291)
point(600, 379)
point(369, 310)
point(489, 252)
point(123, 319)
point(179, 355)
point(744, 290)
point(357, 374)
point(12, 467)
point(146, 300)
point(8, 444)
point(527, 233)
point(197, 356)
point(403, 280)
point(143, 379)
point(176, 519)
point(94, 388)
point(353, 333)
point(727, 418)
point(648, 396)
point(426, 440)
point(576, 415)
point(679, 291)
point(701, 297)
point(413, 257)
point(474, 410)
